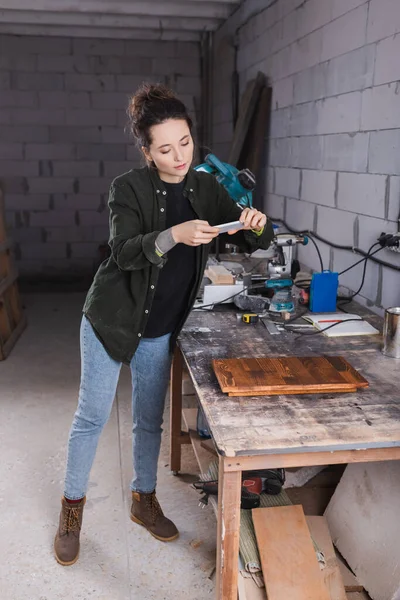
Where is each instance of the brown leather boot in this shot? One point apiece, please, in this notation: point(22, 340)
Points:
point(147, 512)
point(66, 543)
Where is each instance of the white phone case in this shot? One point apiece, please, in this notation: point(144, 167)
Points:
point(224, 227)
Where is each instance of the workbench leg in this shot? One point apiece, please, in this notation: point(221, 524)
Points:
point(176, 411)
point(229, 492)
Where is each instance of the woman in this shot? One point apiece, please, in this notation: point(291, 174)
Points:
point(162, 221)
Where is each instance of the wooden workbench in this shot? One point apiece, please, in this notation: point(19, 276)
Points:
point(280, 431)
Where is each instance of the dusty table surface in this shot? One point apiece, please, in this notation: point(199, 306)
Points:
point(369, 418)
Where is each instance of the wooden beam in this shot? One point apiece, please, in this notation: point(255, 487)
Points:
point(103, 33)
point(176, 411)
point(307, 459)
point(228, 527)
point(8, 281)
point(331, 573)
point(94, 20)
point(157, 8)
point(288, 558)
point(247, 107)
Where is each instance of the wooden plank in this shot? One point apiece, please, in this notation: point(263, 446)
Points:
point(209, 446)
point(350, 581)
point(228, 526)
point(7, 347)
point(12, 319)
point(220, 275)
point(176, 411)
point(331, 573)
point(249, 590)
point(8, 281)
point(294, 391)
point(286, 375)
point(3, 236)
point(288, 559)
point(306, 459)
point(246, 111)
point(203, 456)
point(254, 146)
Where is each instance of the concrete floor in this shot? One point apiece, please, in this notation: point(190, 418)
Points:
point(119, 560)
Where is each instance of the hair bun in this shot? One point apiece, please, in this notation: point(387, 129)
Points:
point(147, 97)
point(151, 104)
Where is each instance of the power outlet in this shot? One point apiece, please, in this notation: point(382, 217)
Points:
point(395, 248)
point(391, 241)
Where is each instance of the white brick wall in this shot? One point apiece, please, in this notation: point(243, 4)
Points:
point(62, 139)
point(383, 19)
point(384, 152)
point(346, 152)
point(345, 34)
point(381, 107)
point(319, 187)
point(287, 182)
point(362, 194)
point(299, 215)
point(334, 69)
point(387, 64)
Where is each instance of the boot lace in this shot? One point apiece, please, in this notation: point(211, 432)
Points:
point(153, 507)
point(71, 519)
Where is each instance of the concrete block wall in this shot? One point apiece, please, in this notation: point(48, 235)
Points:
point(62, 138)
point(334, 146)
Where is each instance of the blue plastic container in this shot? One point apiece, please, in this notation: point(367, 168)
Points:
point(323, 291)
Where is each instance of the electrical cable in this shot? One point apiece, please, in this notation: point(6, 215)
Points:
point(318, 252)
point(337, 246)
point(249, 287)
point(326, 328)
point(366, 258)
point(352, 296)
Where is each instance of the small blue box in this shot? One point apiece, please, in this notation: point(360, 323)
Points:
point(323, 291)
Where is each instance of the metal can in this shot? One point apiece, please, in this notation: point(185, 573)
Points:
point(391, 332)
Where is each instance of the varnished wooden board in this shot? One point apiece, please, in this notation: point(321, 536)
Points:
point(288, 558)
point(289, 391)
point(287, 375)
point(331, 573)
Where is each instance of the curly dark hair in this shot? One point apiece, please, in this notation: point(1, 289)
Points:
point(153, 104)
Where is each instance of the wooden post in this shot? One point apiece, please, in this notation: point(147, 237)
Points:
point(176, 411)
point(229, 492)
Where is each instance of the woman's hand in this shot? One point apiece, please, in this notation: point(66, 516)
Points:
point(253, 220)
point(194, 233)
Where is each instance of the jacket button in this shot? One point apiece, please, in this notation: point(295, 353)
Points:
point(164, 193)
point(158, 191)
point(162, 210)
point(147, 312)
point(190, 190)
point(152, 287)
point(139, 335)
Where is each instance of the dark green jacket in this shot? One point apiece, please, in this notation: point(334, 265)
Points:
point(120, 298)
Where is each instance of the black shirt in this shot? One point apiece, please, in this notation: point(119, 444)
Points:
point(177, 276)
point(124, 286)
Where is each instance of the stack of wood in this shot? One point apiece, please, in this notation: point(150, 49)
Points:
point(252, 127)
point(219, 275)
point(12, 318)
point(290, 567)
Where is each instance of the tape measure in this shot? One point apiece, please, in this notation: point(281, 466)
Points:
point(250, 318)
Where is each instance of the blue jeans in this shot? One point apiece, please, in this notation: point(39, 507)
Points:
point(150, 368)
